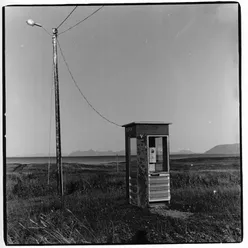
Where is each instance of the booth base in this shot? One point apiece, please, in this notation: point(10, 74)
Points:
point(165, 204)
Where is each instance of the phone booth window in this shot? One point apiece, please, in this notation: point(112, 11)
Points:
point(133, 171)
point(158, 155)
point(133, 157)
point(133, 147)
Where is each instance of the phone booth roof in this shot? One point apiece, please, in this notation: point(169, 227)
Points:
point(146, 123)
point(146, 127)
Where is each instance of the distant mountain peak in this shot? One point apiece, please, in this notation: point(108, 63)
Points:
point(92, 152)
point(225, 149)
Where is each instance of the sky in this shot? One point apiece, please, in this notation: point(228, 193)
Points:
point(172, 63)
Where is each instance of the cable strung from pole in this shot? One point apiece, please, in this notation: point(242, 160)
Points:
point(82, 92)
point(81, 21)
point(46, 31)
point(66, 18)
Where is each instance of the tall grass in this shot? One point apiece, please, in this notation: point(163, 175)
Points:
point(96, 210)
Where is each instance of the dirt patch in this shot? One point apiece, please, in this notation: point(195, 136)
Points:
point(171, 213)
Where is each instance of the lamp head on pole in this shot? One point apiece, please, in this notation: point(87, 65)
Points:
point(30, 22)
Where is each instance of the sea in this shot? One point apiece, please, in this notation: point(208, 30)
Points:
point(67, 159)
point(95, 159)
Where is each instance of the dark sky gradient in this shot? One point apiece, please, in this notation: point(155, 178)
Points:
point(173, 63)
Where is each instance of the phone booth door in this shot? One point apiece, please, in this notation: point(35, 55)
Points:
point(158, 168)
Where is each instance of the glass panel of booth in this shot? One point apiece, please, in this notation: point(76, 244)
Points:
point(133, 154)
point(158, 154)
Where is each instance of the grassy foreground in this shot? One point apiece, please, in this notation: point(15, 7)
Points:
point(205, 205)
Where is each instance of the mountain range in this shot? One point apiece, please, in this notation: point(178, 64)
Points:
point(219, 149)
point(96, 153)
point(225, 149)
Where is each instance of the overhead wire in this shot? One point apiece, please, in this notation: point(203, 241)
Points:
point(81, 21)
point(46, 31)
point(66, 18)
point(68, 68)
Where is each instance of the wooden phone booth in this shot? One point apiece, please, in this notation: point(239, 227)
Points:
point(147, 163)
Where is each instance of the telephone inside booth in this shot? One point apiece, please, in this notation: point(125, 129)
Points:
point(158, 154)
point(158, 168)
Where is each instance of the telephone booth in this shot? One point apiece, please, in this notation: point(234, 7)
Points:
point(147, 163)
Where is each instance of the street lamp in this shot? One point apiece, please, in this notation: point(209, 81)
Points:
point(30, 22)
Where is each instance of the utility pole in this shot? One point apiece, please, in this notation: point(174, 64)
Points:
point(57, 117)
point(31, 23)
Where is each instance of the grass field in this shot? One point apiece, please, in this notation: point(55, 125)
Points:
point(205, 205)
